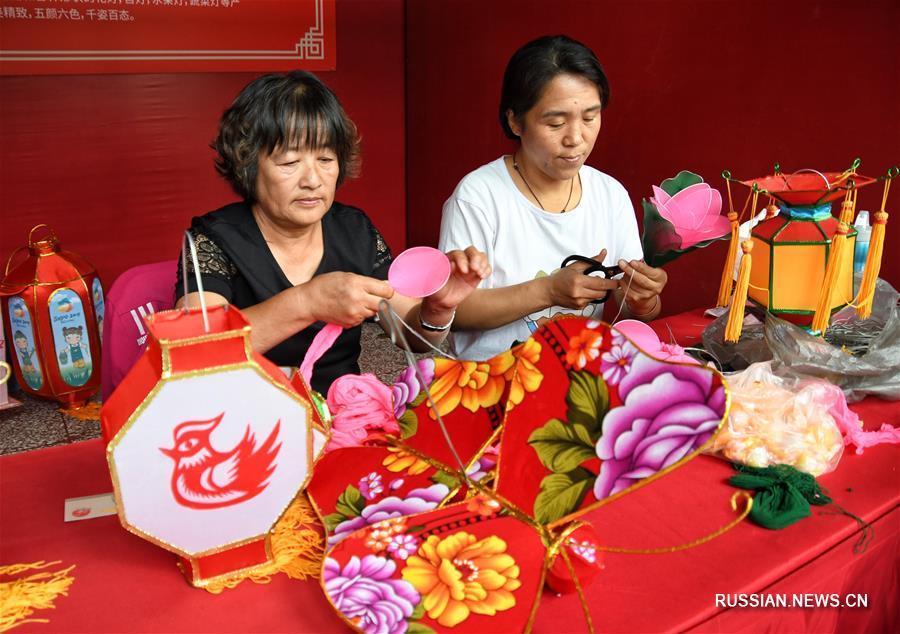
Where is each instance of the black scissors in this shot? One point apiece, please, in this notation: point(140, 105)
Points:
point(608, 272)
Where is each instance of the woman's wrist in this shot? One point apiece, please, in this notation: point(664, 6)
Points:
point(544, 291)
point(642, 310)
point(434, 318)
point(302, 313)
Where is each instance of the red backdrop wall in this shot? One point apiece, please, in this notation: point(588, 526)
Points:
point(696, 84)
point(118, 164)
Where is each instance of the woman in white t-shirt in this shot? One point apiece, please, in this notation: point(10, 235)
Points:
point(530, 210)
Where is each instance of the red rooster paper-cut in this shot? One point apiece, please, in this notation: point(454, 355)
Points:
point(204, 478)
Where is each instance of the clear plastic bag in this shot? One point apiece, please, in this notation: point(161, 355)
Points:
point(860, 357)
point(778, 420)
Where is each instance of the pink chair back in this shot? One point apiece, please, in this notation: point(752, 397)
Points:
point(136, 293)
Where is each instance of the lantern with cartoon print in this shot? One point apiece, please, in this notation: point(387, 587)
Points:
point(53, 304)
point(208, 444)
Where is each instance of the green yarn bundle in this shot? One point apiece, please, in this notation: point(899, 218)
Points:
point(785, 495)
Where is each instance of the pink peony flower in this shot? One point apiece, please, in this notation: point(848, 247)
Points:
point(407, 386)
point(359, 405)
point(367, 592)
point(668, 412)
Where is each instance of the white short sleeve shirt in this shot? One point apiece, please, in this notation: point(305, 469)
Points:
point(523, 242)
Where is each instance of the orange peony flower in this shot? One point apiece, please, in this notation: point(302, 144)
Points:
point(460, 574)
point(524, 375)
point(584, 348)
point(399, 460)
point(482, 505)
point(473, 384)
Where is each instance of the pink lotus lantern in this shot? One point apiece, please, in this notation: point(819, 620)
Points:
point(683, 214)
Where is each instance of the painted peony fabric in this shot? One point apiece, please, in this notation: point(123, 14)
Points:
point(568, 420)
point(607, 417)
point(466, 567)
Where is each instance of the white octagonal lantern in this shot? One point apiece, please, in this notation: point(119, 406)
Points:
point(208, 444)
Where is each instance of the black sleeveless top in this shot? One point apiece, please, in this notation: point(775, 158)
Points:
point(236, 263)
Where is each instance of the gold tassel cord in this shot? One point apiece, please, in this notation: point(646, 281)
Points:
point(873, 258)
point(728, 270)
point(20, 597)
point(848, 208)
point(297, 549)
point(558, 549)
point(832, 270)
point(873, 265)
point(738, 495)
point(735, 323)
point(585, 608)
point(735, 220)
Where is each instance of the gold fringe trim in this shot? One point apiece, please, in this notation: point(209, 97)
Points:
point(89, 411)
point(298, 548)
point(19, 598)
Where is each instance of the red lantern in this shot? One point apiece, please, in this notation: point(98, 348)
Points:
point(54, 316)
point(208, 443)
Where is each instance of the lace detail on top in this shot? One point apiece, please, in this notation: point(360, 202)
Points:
point(211, 258)
point(382, 252)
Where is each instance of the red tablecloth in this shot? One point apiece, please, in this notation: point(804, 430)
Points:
point(123, 583)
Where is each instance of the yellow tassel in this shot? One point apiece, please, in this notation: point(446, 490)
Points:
point(728, 271)
point(298, 548)
point(771, 210)
point(736, 312)
point(873, 266)
point(832, 270)
point(88, 411)
point(847, 210)
point(19, 598)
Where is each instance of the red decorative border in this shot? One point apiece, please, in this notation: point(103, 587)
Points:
point(313, 50)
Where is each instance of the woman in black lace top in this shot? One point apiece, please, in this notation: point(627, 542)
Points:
point(290, 256)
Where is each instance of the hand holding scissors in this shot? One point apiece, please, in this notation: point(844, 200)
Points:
point(581, 281)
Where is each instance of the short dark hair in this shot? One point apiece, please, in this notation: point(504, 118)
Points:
point(282, 110)
point(535, 65)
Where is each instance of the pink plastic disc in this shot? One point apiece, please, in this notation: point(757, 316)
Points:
point(419, 272)
point(640, 334)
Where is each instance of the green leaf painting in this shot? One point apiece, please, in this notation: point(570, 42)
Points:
point(561, 447)
point(561, 494)
point(331, 521)
point(351, 502)
point(588, 401)
point(409, 423)
point(442, 477)
point(420, 398)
